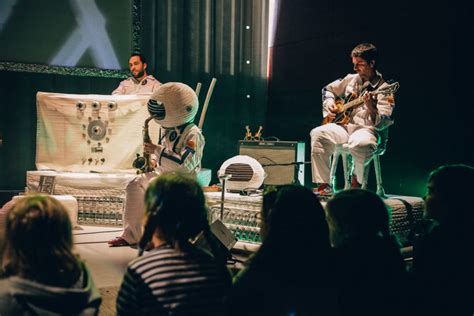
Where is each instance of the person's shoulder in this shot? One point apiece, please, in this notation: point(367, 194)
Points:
point(194, 129)
point(190, 130)
point(127, 80)
point(151, 78)
point(151, 255)
point(194, 132)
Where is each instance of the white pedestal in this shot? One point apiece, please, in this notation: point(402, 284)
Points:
point(68, 201)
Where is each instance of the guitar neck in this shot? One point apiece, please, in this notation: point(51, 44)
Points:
point(352, 104)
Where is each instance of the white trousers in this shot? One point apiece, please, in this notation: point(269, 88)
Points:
point(361, 142)
point(135, 207)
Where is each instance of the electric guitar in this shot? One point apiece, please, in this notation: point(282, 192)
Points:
point(344, 108)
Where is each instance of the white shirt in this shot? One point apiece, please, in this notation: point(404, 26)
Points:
point(131, 85)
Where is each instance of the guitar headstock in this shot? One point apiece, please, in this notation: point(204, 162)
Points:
point(388, 89)
point(258, 134)
point(248, 134)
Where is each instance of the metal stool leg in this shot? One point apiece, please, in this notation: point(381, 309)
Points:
point(378, 176)
point(348, 165)
point(365, 178)
point(332, 173)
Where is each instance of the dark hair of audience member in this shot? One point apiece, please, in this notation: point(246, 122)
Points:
point(356, 215)
point(367, 254)
point(293, 219)
point(452, 190)
point(38, 242)
point(176, 211)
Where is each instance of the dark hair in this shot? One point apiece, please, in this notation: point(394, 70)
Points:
point(38, 242)
point(292, 214)
point(142, 58)
point(176, 210)
point(366, 51)
point(355, 214)
point(268, 203)
point(452, 185)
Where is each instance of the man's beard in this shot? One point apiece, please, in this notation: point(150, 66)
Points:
point(139, 75)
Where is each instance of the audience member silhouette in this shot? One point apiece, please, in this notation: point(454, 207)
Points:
point(42, 275)
point(443, 264)
point(370, 270)
point(3, 214)
point(291, 272)
point(176, 277)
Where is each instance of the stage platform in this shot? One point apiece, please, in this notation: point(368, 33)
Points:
point(240, 214)
point(100, 198)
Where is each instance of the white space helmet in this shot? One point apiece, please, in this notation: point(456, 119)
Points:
point(173, 104)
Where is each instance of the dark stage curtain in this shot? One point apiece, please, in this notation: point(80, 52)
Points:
point(193, 41)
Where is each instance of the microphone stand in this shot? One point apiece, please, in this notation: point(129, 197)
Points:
point(223, 178)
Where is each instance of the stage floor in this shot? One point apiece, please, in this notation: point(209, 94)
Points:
point(108, 264)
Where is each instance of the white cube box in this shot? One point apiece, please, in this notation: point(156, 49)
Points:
point(68, 201)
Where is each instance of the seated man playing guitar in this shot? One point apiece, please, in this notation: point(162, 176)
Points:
point(354, 123)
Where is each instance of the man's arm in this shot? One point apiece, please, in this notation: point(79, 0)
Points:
point(120, 89)
point(333, 91)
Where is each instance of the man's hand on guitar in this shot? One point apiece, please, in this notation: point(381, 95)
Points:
point(333, 109)
point(370, 101)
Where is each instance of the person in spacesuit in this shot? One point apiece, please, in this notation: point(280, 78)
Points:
point(179, 149)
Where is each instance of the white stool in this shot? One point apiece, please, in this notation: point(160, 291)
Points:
point(348, 165)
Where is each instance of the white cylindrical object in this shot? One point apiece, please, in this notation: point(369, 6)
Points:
point(198, 88)
point(206, 102)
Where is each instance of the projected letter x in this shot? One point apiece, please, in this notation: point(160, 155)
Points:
point(90, 33)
